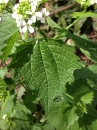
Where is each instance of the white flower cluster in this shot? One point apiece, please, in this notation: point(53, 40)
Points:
point(26, 14)
point(87, 2)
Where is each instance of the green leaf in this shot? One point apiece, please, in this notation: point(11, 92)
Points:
point(3, 72)
point(72, 116)
point(21, 120)
point(89, 73)
point(22, 55)
point(7, 50)
point(51, 65)
point(56, 117)
point(48, 127)
point(37, 126)
point(63, 116)
point(29, 100)
point(84, 15)
point(85, 44)
point(87, 98)
point(7, 106)
point(78, 88)
point(52, 24)
point(2, 83)
point(21, 117)
point(21, 107)
point(7, 28)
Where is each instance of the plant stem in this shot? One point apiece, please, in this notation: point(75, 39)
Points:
point(72, 24)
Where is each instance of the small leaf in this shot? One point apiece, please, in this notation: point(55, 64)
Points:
point(9, 47)
point(7, 28)
point(72, 116)
point(87, 98)
point(52, 24)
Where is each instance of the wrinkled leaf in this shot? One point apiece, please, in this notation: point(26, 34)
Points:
point(50, 67)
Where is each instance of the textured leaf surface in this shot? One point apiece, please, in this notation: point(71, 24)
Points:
point(51, 65)
point(7, 28)
point(52, 23)
point(87, 98)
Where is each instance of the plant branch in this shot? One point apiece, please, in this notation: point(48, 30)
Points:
point(61, 9)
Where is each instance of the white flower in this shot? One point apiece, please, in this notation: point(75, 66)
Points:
point(0, 19)
point(20, 22)
point(4, 116)
point(16, 7)
point(15, 14)
point(44, 13)
point(34, 15)
point(25, 27)
point(4, 1)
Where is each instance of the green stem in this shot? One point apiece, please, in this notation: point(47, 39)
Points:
point(72, 24)
point(69, 96)
point(26, 36)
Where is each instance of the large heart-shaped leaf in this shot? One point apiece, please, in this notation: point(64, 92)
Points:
point(51, 65)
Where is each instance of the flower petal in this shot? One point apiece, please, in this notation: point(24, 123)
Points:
point(43, 20)
point(33, 18)
point(24, 29)
point(47, 13)
point(0, 19)
point(38, 15)
point(31, 29)
point(30, 21)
